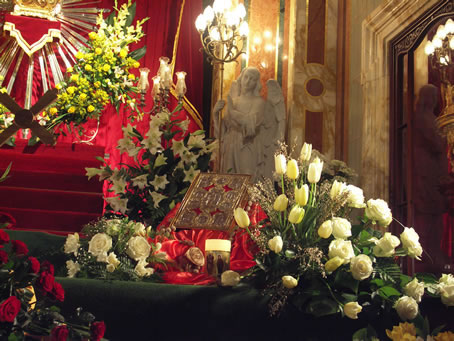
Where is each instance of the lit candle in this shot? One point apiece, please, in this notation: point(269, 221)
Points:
point(143, 83)
point(166, 77)
point(155, 90)
point(163, 62)
point(181, 84)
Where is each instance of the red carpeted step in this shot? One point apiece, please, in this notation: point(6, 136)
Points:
point(52, 180)
point(47, 220)
point(52, 200)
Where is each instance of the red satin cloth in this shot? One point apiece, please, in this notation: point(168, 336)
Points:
point(241, 256)
point(32, 29)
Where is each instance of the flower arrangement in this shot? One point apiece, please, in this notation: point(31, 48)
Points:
point(165, 161)
point(101, 75)
point(313, 255)
point(28, 292)
point(113, 249)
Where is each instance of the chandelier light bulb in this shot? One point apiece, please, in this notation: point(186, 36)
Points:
point(443, 61)
point(214, 34)
point(241, 11)
point(232, 18)
point(218, 6)
point(441, 32)
point(449, 26)
point(429, 48)
point(208, 14)
point(244, 29)
point(143, 84)
point(181, 85)
point(437, 42)
point(201, 23)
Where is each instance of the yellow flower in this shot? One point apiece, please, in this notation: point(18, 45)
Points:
point(296, 215)
point(241, 217)
point(71, 89)
point(301, 195)
point(92, 35)
point(83, 97)
point(326, 229)
point(97, 84)
point(70, 69)
point(90, 108)
point(281, 202)
point(98, 51)
point(292, 169)
point(53, 111)
point(75, 77)
point(106, 67)
point(58, 86)
point(131, 76)
point(88, 68)
point(333, 264)
point(445, 336)
point(79, 55)
point(404, 331)
point(44, 113)
point(289, 281)
point(72, 110)
point(136, 65)
point(123, 53)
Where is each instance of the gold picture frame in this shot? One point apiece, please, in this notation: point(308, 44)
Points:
point(210, 201)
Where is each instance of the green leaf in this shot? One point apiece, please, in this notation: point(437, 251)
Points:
point(99, 158)
point(345, 280)
point(12, 337)
point(6, 172)
point(387, 292)
point(110, 19)
point(33, 140)
point(365, 334)
point(132, 14)
point(322, 306)
point(139, 53)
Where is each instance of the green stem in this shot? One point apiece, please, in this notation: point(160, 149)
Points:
point(282, 181)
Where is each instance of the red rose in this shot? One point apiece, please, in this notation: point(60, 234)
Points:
point(34, 264)
point(58, 292)
point(47, 266)
point(3, 257)
point(4, 237)
point(59, 333)
point(97, 330)
point(19, 247)
point(46, 280)
point(9, 309)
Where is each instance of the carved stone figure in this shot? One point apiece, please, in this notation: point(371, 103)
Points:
point(250, 126)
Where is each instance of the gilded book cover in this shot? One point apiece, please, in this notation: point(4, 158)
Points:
point(210, 201)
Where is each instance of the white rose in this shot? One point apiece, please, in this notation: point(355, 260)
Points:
point(289, 281)
point(447, 294)
point(138, 248)
point(275, 244)
point(410, 242)
point(113, 226)
point(72, 267)
point(341, 248)
point(446, 279)
point(385, 246)
point(378, 211)
point(342, 229)
point(142, 271)
point(415, 289)
point(230, 278)
point(355, 197)
point(361, 267)
point(352, 309)
point(99, 244)
point(407, 308)
point(112, 260)
point(72, 243)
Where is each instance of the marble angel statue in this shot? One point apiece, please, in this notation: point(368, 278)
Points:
point(250, 127)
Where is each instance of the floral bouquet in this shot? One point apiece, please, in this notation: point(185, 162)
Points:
point(314, 256)
point(102, 73)
point(165, 161)
point(28, 292)
point(113, 249)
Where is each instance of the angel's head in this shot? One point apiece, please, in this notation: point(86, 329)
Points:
point(249, 80)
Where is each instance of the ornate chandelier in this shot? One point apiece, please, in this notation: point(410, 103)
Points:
point(441, 55)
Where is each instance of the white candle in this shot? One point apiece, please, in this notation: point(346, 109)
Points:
point(143, 83)
point(181, 84)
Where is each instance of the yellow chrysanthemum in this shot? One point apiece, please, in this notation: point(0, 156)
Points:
point(88, 68)
point(106, 67)
point(90, 108)
point(92, 35)
point(58, 86)
point(83, 97)
point(98, 51)
point(97, 84)
point(72, 110)
point(403, 332)
point(53, 111)
point(123, 53)
point(445, 336)
point(136, 65)
point(70, 69)
point(74, 77)
point(71, 89)
point(79, 55)
point(131, 76)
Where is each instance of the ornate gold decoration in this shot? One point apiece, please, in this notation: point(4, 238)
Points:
point(47, 9)
point(211, 200)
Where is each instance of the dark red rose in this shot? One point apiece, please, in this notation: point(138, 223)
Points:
point(19, 247)
point(4, 237)
point(59, 333)
point(47, 266)
point(97, 330)
point(3, 257)
point(46, 280)
point(58, 292)
point(9, 309)
point(34, 264)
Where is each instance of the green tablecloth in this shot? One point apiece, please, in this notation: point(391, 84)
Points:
point(150, 311)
